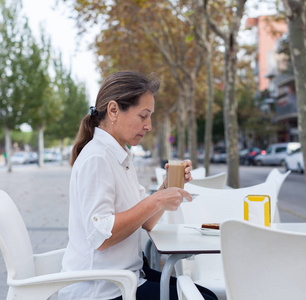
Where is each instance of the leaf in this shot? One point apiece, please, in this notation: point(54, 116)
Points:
point(189, 13)
point(189, 38)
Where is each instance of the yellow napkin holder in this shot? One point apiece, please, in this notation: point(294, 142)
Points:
point(257, 209)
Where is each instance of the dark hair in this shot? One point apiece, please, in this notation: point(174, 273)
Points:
point(125, 88)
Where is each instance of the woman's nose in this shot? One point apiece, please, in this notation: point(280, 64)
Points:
point(148, 126)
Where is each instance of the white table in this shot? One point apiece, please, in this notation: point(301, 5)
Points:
point(180, 242)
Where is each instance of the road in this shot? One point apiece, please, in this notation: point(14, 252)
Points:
point(41, 195)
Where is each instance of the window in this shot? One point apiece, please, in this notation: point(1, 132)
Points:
point(280, 149)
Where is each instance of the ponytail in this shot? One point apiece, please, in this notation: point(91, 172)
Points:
point(85, 134)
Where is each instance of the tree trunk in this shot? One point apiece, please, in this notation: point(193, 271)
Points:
point(8, 147)
point(41, 146)
point(209, 112)
point(191, 120)
point(230, 114)
point(295, 14)
point(164, 145)
point(181, 124)
point(62, 151)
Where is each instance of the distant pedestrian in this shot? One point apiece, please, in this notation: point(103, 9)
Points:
point(5, 157)
point(108, 206)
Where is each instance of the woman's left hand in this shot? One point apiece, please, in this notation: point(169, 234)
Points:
point(188, 168)
point(188, 177)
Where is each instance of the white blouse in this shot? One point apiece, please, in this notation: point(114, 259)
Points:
point(103, 183)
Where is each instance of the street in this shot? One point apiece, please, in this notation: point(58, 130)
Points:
point(41, 195)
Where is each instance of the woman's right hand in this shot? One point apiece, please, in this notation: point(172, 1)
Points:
point(171, 198)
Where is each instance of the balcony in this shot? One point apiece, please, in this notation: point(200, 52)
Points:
point(287, 111)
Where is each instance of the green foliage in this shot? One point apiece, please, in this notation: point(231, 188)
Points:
point(74, 104)
point(14, 33)
point(189, 38)
point(27, 92)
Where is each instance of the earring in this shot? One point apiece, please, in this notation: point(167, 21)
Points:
point(112, 123)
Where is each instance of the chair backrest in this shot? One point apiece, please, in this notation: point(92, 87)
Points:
point(15, 243)
point(217, 181)
point(218, 205)
point(276, 176)
point(160, 174)
point(198, 173)
point(262, 263)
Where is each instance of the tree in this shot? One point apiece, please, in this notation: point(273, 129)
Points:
point(198, 22)
point(74, 104)
point(295, 11)
point(14, 34)
point(229, 38)
point(163, 31)
point(42, 104)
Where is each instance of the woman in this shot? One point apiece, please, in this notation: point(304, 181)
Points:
point(107, 209)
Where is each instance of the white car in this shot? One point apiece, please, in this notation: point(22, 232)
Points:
point(295, 161)
point(276, 154)
point(19, 158)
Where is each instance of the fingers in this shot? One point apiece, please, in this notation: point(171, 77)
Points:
point(185, 195)
point(173, 197)
point(189, 163)
point(188, 169)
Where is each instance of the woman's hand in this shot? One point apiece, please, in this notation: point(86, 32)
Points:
point(171, 198)
point(188, 168)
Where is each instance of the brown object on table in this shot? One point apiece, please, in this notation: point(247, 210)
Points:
point(211, 225)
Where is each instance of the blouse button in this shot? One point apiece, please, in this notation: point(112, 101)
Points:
point(95, 219)
point(127, 168)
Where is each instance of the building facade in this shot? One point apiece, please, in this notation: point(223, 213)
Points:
point(274, 76)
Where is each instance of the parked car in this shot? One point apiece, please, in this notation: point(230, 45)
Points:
point(276, 154)
point(32, 158)
point(295, 161)
point(247, 156)
point(219, 155)
point(19, 158)
point(23, 157)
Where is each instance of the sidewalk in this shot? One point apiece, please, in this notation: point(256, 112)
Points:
point(41, 195)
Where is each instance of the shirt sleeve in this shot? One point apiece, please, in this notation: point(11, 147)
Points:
point(96, 190)
point(142, 191)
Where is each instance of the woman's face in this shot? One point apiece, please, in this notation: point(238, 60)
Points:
point(131, 125)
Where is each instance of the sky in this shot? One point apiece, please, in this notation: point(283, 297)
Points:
point(63, 33)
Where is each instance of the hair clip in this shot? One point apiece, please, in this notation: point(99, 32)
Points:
point(93, 111)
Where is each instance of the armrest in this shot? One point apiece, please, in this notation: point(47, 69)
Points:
point(187, 290)
point(48, 262)
point(42, 287)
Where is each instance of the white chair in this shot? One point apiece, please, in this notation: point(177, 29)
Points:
point(215, 205)
point(263, 263)
point(37, 277)
point(160, 174)
point(186, 290)
point(198, 173)
point(218, 205)
point(217, 181)
point(278, 177)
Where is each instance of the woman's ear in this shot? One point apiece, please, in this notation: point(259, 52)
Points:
point(113, 110)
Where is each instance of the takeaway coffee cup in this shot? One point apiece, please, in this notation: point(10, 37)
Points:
point(176, 173)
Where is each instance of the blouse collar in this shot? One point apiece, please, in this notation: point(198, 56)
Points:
point(111, 143)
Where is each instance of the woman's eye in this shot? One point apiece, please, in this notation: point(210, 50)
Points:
point(143, 117)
